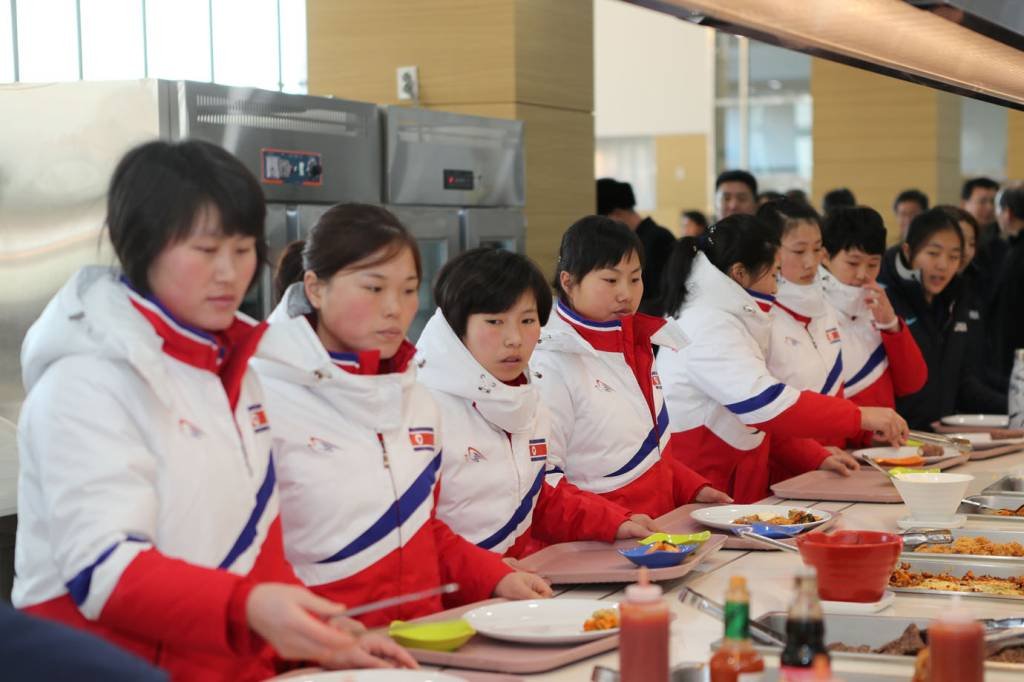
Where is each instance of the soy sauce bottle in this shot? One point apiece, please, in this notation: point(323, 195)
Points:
point(805, 630)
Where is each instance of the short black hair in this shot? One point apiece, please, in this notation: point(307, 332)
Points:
point(837, 198)
point(798, 196)
point(159, 188)
point(770, 195)
point(1012, 198)
point(488, 280)
point(782, 214)
point(593, 243)
point(915, 195)
point(928, 223)
point(737, 176)
point(612, 194)
point(740, 238)
point(854, 228)
point(977, 183)
point(961, 216)
point(697, 217)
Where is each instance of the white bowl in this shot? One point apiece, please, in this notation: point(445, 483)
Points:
point(932, 497)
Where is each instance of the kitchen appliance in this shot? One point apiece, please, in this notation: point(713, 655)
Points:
point(457, 182)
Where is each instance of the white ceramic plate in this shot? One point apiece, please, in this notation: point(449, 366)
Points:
point(375, 676)
point(906, 451)
point(539, 621)
point(991, 421)
point(722, 516)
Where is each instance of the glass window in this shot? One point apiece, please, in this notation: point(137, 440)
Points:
point(727, 65)
point(245, 43)
point(47, 40)
point(776, 71)
point(6, 45)
point(178, 39)
point(112, 44)
point(983, 132)
point(633, 160)
point(294, 67)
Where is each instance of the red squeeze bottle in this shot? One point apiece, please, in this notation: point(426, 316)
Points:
point(956, 646)
point(643, 633)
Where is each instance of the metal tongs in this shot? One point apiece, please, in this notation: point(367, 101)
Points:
point(961, 444)
point(758, 632)
point(927, 536)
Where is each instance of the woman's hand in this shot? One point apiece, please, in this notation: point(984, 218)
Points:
point(885, 424)
point(522, 585)
point(291, 619)
point(637, 526)
point(839, 461)
point(707, 494)
point(372, 651)
point(878, 302)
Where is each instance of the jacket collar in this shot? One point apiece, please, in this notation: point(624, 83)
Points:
point(803, 302)
point(709, 287)
point(568, 331)
point(446, 365)
point(847, 300)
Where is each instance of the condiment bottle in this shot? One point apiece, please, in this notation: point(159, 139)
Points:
point(956, 643)
point(805, 631)
point(643, 633)
point(737, 660)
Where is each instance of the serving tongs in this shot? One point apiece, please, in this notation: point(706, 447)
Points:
point(961, 444)
point(927, 536)
point(987, 508)
point(758, 632)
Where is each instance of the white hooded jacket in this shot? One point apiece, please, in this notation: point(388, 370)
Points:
point(806, 350)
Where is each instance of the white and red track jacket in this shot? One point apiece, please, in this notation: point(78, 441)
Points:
point(805, 348)
point(878, 365)
point(609, 420)
point(147, 507)
point(723, 401)
point(493, 491)
point(358, 450)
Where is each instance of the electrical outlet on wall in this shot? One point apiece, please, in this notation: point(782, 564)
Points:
point(408, 83)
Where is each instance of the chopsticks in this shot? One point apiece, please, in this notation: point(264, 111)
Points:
point(447, 588)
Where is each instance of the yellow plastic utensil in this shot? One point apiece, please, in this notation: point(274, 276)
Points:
point(910, 470)
point(691, 539)
point(445, 635)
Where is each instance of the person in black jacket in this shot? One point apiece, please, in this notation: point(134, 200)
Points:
point(925, 289)
point(1006, 311)
point(616, 200)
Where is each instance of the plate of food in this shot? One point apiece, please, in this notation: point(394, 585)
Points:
point(988, 421)
point(658, 554)
point(791, 520)
point(546, 621)
point(907, 456)
point(934, 575)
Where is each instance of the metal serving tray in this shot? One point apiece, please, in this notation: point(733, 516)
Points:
point(873, 630)
point(957, 568)
point(1007, 485)
point(998, 501)
point(999, 536)
point(700, 673)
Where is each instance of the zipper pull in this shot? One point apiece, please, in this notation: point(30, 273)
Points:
point(384, 450)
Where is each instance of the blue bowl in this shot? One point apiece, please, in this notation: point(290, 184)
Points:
point(660, 559)
point(774, 532)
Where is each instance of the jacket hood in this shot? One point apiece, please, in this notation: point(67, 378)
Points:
point(804, 299)
point(446, 365)
point(710, 288)
point(292, 352)
point(846, 299)
point(92, 315)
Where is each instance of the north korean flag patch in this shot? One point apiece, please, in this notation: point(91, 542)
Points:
point(832, 335)
point(538, 449)
point(422, 438)
point(656, 380)
point(258, 418)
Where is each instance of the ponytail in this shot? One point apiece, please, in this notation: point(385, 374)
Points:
point(739, 238)
point(289, 268)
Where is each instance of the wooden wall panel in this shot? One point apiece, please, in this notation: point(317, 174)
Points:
point(1015, 145)
point(879, 136)
point(555, 53)
point(682, 177)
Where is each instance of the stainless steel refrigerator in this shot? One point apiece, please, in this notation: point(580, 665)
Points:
point(456, 182)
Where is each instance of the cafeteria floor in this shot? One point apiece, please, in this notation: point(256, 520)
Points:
point(770, 577)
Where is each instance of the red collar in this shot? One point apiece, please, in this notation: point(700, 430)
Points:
point(370, 363)
point(802, 319)
point(225, 353)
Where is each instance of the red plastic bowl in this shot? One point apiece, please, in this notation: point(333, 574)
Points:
point(852, 565)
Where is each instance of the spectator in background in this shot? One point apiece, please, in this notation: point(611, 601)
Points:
point(798, 196)
point(735, 192)
point(908, 204)
point(1006, 311)
point(693, 223)
point(978, 197)
point(616, 200)
point(769, 195)
point(837, 198)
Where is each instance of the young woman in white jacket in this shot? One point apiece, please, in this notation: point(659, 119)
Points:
point(473, 355)
point(805, 351)
point(595, 370)
point(147, 500)
point(358, 441)
point(727, 409)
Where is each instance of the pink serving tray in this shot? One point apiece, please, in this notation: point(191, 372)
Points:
point(865, 485)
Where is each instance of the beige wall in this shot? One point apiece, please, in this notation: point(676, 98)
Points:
point(1015, 146)
point(682, 177)
point(879, 135)
point(531, 60)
